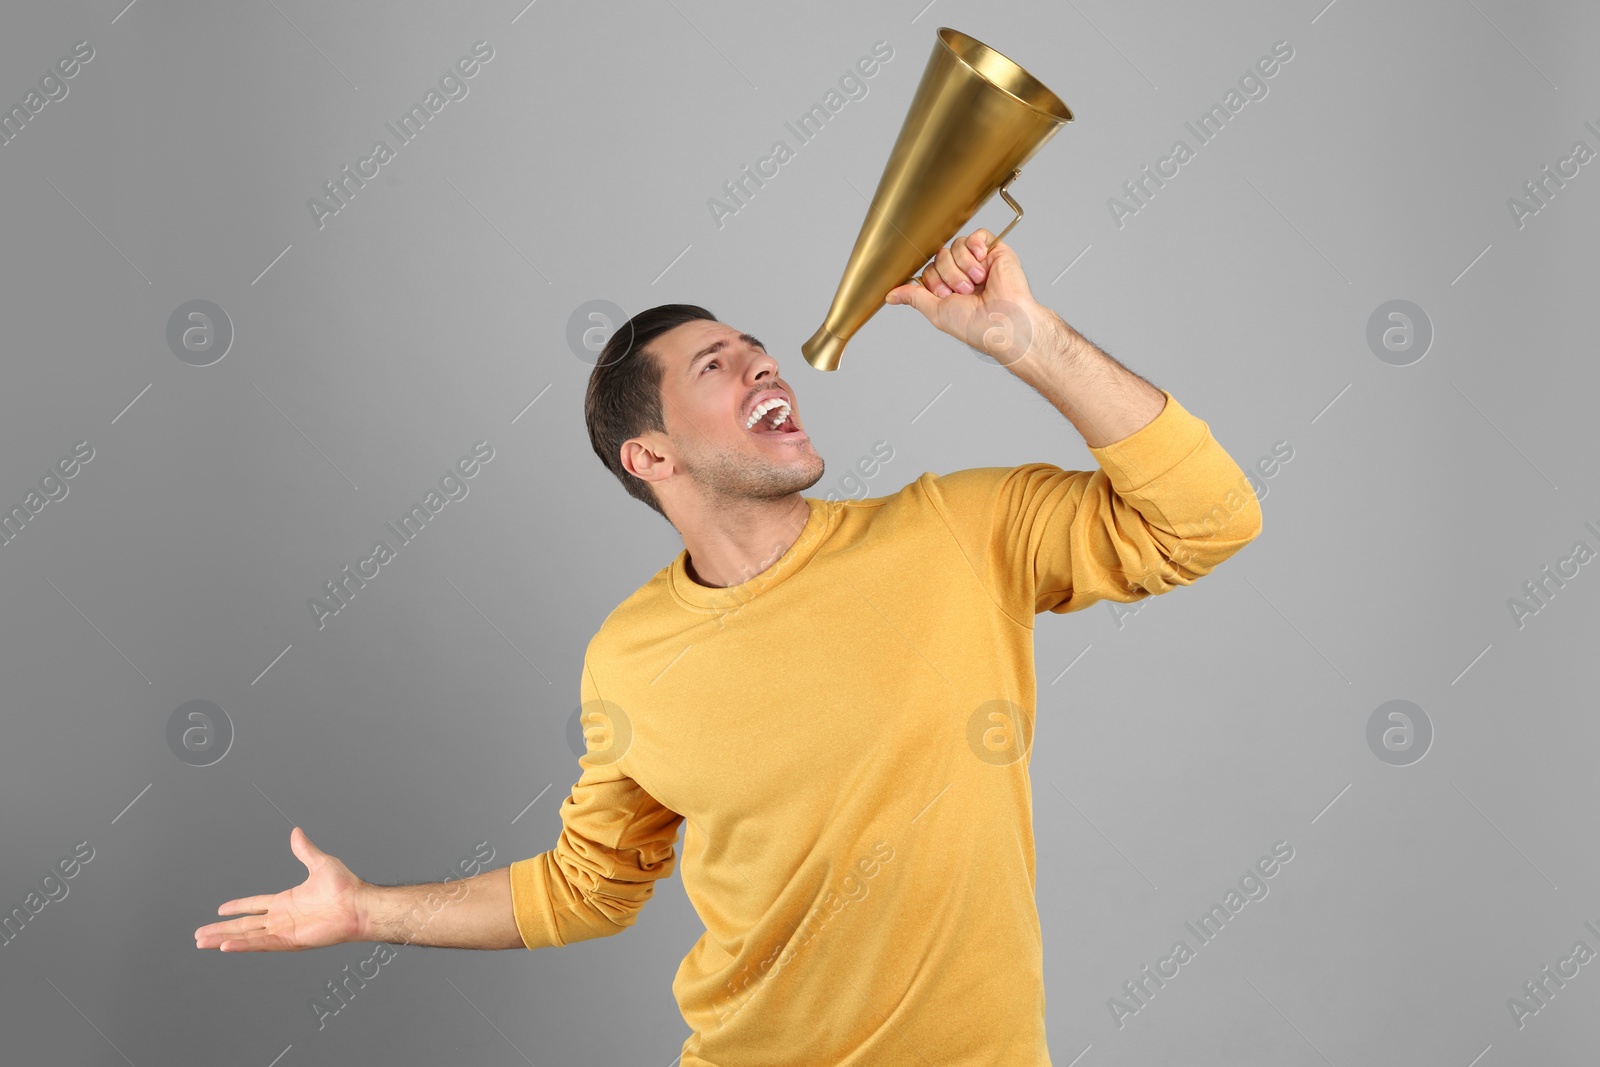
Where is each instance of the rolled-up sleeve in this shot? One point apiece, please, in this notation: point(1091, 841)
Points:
point(616, 840)
point(1167, 505)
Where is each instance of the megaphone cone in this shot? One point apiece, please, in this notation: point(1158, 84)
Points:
point(975, 120)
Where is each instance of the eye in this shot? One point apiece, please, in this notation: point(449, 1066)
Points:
point(709, 364)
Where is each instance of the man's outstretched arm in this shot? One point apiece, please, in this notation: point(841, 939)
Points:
point(473, 912)
point(616, 840)
point(332, 906)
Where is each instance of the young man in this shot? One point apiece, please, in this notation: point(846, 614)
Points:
point(836, 699)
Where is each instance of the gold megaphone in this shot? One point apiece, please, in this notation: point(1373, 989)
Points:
point(976, 119)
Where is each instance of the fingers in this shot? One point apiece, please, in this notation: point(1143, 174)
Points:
point(218, 934)
point(912, 293)
point(959, 268)
point(232, 927)
point(947, 276)
point(267, 943)
point(970, 252)
point(247, 905)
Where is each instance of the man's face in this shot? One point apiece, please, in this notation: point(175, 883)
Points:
point(714, 378)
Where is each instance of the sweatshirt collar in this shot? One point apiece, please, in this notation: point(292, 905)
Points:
point(706, 599)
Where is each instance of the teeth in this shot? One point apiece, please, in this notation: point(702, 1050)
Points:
point(764, 407)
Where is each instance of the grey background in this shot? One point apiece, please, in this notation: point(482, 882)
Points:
point(432, 310)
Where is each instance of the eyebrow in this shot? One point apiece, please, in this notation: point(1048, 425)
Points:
point(718, 346)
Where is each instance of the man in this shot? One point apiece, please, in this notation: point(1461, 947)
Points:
point(836, 698)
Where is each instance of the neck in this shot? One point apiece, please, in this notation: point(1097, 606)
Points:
point(731, 544)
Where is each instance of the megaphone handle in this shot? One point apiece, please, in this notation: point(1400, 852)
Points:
point(1004, 195)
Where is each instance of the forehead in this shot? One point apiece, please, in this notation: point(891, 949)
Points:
point(684, 348)
point(682, 343)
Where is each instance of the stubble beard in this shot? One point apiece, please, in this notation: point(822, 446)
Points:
point(731, 478)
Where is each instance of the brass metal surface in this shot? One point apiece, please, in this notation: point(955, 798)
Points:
point(976, 119)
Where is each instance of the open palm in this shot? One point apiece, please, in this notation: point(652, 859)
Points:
point(322, 910)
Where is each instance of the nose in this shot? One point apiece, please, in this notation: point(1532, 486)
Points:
point(763, 365)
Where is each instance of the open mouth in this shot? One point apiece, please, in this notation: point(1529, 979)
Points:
point(771, 418)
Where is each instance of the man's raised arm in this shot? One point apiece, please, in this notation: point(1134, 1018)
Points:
point(1167, 505)
point(1106, 401)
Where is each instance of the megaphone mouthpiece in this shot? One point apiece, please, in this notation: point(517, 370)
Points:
point(823, 350)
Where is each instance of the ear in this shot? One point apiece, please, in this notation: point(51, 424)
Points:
point(646, 459)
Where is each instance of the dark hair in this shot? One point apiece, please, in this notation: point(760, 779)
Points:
point(624, 395)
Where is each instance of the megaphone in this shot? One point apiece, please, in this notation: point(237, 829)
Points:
point(976, 119)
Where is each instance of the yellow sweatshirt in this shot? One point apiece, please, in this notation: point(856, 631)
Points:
point(846, 737)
